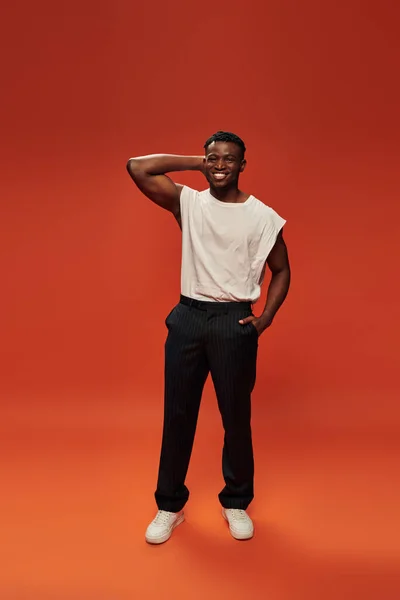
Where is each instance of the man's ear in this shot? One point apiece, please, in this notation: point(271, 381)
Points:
point(243, 165)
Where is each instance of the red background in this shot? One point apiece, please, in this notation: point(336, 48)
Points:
point(90, 268)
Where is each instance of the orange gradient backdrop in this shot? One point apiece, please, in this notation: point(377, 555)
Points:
point(90, 268)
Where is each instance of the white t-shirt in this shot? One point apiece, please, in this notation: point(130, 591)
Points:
point(225, 246)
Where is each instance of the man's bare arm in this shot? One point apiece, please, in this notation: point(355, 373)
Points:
point(149, 174)
point(278, 263)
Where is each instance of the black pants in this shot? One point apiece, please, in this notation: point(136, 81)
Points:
point(203, 338)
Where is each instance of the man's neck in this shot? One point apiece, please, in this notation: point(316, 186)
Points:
point(232, 195)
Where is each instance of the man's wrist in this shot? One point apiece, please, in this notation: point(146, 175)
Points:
point(266, 319)
point(198, 163)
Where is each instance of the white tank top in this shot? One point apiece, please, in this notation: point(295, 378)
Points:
point(225, 246)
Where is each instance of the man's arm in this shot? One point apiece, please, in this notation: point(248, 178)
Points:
point(278, 263)
point(149, 174)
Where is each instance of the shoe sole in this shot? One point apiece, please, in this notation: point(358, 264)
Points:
point(164, 538)
point(237, 536)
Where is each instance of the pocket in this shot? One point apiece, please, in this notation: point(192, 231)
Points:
point(253, 328)
point(249, 328)
point(168, 319)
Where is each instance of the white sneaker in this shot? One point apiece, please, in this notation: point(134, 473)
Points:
point(161, 528)
point(240, 524)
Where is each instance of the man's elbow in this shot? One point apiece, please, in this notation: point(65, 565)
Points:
point(133, 167)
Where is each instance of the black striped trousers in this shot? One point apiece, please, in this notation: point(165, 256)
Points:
point(203, 338)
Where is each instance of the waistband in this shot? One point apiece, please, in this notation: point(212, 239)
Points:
point(205, 305)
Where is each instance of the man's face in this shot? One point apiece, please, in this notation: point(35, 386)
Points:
point(223, 164)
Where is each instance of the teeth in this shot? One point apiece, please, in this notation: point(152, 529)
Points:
point(219, 175)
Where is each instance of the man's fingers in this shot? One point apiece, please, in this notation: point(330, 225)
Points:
point(246, 320)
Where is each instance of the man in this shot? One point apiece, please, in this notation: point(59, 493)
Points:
point(228, 238)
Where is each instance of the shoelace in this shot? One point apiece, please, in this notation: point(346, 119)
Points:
point(238, 515)
point(161, 518)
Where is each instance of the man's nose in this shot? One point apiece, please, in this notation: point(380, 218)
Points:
point(220, 164)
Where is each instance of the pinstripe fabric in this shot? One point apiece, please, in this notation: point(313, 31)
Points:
point(202, 340)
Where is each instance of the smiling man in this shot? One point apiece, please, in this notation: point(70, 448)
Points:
point(228, 239)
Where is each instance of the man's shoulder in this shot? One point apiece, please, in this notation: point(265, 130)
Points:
point(189, 190)
point(191, 193)
point(261, 205)
point(267, 215)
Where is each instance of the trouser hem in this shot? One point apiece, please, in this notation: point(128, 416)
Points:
point(236, 504)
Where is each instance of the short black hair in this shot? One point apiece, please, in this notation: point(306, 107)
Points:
point(226, 136)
